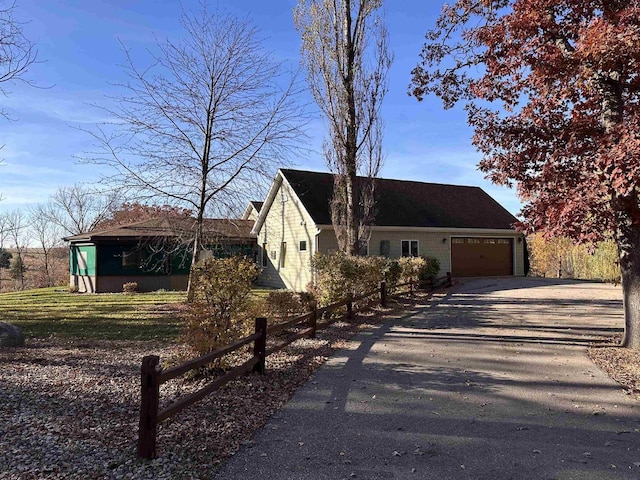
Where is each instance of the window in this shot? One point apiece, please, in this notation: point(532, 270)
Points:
point(82, 262)
point(303, 245)
point(131, 258)
point(364, 248)
point(409, 248)
point(283, 254)
point(385, 248)
point(265, 256)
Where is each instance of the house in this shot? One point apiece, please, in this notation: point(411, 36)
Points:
point(153, 253)
point(463, 227)
point(252, 211)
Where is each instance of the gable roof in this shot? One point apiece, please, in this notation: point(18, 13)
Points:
point(167, 226)
point(401, 203)
point(253, 205)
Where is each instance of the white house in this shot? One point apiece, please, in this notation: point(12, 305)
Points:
point(463, 227)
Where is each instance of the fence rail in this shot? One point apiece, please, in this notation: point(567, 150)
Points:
point(152, 375)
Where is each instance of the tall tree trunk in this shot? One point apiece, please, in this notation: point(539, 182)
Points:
point(351, 153)
point(195, 255)
point(352, 217)
point(47, 270)
point(628, 239)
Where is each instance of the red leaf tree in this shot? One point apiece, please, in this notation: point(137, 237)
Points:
point(552, 90)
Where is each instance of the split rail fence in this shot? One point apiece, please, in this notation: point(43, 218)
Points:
point(152, 374)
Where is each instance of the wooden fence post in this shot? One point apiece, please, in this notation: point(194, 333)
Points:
point(149, 401)
point(260, 345)
point(313, 321)
point(349, 306)
point(383, 293)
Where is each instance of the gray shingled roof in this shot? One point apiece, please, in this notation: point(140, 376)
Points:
point(257, 205)
point(401, 203)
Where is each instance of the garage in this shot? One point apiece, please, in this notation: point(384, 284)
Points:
point(481, 257)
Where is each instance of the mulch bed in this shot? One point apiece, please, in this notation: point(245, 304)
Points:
point(70, 408)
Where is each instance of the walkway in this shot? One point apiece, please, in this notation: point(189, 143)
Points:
point(492, 381)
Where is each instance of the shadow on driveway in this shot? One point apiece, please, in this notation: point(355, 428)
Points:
point(484, 383)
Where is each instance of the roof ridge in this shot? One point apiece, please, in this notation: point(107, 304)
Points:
point(407, 203)
point(124, 225)
point(284, 170)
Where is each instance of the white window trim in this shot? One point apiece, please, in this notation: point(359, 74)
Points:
point(411, 240)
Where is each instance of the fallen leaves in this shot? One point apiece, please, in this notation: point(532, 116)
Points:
point(621, 364)
point(90, 410)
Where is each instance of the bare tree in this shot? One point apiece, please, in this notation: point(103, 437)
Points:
point(48, 236)
point(16, 225)
point(17, 53)
point(207, 121)
point(4, 234)
point(78, 208)
point(346, 54)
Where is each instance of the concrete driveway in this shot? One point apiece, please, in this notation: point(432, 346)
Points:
point(490, 381)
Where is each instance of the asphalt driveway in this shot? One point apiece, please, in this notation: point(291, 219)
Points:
point(490, 381)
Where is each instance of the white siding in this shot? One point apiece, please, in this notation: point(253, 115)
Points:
point(429, 243)
point(287, 221)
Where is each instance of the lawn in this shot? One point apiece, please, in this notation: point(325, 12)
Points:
point(55, 312)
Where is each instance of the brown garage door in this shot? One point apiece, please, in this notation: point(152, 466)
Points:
point(481, 257)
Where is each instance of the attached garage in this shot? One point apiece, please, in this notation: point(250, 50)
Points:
point(467, 231)
point(481, 257)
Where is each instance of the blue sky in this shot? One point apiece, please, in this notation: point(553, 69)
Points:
point(78, 46)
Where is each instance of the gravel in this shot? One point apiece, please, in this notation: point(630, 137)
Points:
point(69, 408)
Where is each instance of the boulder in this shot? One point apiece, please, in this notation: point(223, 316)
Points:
point(10, 335)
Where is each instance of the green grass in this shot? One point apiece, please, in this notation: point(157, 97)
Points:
point(54, 311)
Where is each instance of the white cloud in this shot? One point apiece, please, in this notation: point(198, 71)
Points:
point(54, 105)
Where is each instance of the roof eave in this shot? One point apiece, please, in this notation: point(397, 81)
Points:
point(470, 230)
point(273, 191)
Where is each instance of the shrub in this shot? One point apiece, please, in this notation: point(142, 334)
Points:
point(392, 272)
point(410, 268)
point(5, 258)
point(130, 287)
point(338, 274)
point(17, 268)
point(222, 309)
point(282, 304)
point(429, 271)
point(422, 269)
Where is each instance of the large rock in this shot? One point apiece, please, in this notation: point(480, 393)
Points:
point(10, 335)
